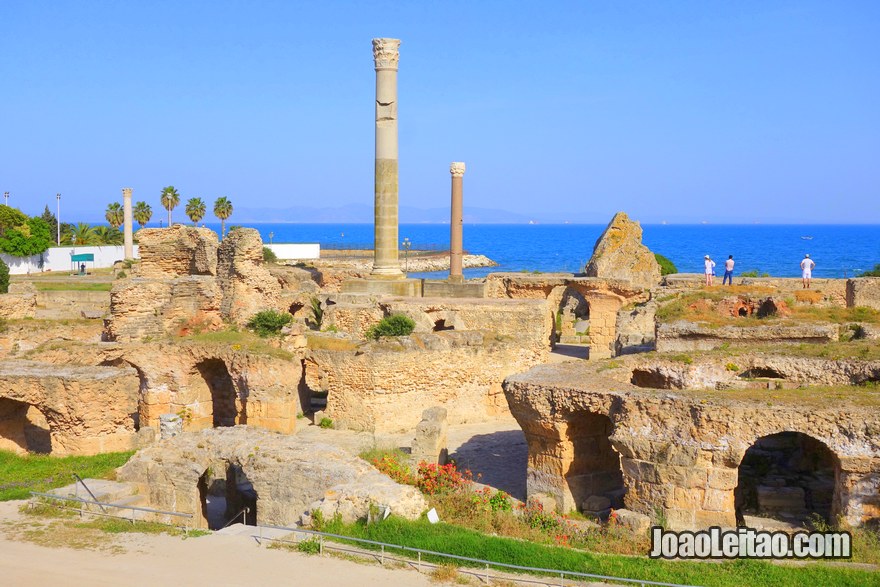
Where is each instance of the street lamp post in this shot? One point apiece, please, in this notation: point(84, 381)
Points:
point(58, 218)
point(407, 245)
point(271, 236)
point(6, 198)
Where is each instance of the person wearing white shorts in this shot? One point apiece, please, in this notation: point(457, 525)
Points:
point(710, 269)
point(807, 270)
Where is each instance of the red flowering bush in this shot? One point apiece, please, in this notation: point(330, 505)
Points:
point(433, 478)
point(390, 465)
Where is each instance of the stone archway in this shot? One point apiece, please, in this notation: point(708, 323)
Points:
point(224, 493)
point(594, 477)
point(217, 390)
point(23, 428)
point(788, 476)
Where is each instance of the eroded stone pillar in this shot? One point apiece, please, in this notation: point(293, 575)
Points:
point(386, 263)
point(127, 223)
point(456, 245)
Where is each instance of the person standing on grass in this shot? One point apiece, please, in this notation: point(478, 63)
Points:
point(710, 270)
point(807, 270)
point(728, 271)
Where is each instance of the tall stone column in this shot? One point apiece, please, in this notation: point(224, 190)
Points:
point(127, 223)
point(386, 263)
point(456, 246)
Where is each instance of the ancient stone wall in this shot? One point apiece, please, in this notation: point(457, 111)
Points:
point(688, 336)
point(680, 453)
point(863, 291)
point(823, 292)
point(246, 284)
point(177, 251)
point(20, 302)
point(386, 386)
point(86, 410)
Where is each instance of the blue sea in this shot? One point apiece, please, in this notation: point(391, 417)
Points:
point(838, 250)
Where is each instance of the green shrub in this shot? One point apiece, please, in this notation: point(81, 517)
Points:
point(317, 312)
point(753, 273)
point(121, 275)
point(269, 322)
point(326, 423)
point(310, 546)
point(269, 255)
point(667, 267)
point(396, 325)
point(4, 277)
point(875, 272)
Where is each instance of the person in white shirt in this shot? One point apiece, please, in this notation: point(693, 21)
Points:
point(728, 271)
point(807, 270)
point(710, 270)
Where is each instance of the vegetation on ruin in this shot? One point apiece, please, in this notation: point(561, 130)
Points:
point(316, 342)
point(72, 286)
point(238, 340)
point(21, 474)
point(269, 322)
point(317, 311)
point(396, 325)
point(667, 267)
point(875, 272)
point(454, 539)
point(269, 255)
point(698, 307)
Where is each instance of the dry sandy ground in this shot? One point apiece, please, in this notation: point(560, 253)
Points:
point(164, 560)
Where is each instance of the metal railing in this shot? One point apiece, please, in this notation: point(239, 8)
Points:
point(104, 505)
point(482, 572)
point(83, 483)
point(243, 513)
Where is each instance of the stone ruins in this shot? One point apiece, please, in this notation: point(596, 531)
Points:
point(635, 391)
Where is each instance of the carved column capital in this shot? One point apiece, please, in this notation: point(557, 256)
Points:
point(456, 168)
point(126, 192)
point(386, 53)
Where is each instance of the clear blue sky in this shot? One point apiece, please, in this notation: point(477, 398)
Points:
point(678, 111)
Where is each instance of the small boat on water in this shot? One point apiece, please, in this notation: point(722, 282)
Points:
point(807, 238)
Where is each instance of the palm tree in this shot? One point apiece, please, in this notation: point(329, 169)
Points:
point(105, 235)
point(85, 234)
point(142, 213)
point(222, 210)
point(114, 215)
point(170, 198)
point(195, 209)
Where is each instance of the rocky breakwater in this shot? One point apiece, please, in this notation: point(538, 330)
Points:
point(678, 454)
point(188, 282)
point(289, 476)
point(85, 410)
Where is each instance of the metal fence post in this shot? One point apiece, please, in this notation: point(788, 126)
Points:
point(487, 573)
point(382, 560)
point(420, 561)
point(321, 544)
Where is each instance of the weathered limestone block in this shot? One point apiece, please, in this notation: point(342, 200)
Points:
point(20, 302)
point(86, 410)
point(863, 291)
point(635, 329)
point(633, 521)
point(246, 283)
point(620, 254)
point(353, 318)
point(170, 425)
point(429, 444)
point(688, 336)
point(169, 473)
point(177, 251)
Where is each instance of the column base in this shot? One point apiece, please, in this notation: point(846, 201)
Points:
point(445, 288)
point(403, 286)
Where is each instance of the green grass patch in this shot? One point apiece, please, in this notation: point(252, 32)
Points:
point(72, 286)
point(21, 474)
point(460, 541)
point(239, 341)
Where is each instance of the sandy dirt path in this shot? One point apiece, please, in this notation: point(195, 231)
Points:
point(152, 560)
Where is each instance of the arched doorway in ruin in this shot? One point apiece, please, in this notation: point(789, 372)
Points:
point(225, 492)
point(219, 392)
point(787, 476)
point(594, 475)
point(23, 428)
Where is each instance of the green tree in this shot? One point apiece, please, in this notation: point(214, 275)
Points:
point(50, 219)
point(114, 215)
point(222, 210)
point(667, 267)
point(31, 238)
point(106, 235)
point(195, 209)
point(170, 198)
point(11, 218)
point(4, 277)
point(142, 212)
point(85, 235)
